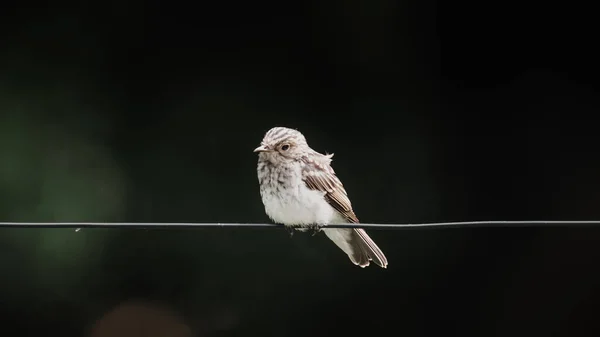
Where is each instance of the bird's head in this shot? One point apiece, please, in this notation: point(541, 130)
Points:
point(282, 144)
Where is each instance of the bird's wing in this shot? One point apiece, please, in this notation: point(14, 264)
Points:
point(319, 175)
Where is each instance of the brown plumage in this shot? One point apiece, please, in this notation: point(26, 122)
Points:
point(322, 177)
point(300, 189)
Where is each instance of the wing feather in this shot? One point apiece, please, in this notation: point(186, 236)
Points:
point(319, 175)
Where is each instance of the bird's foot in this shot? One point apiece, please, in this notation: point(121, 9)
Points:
point(290, 230)
point(315, 229)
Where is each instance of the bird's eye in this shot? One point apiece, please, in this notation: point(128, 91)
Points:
point(285, 147)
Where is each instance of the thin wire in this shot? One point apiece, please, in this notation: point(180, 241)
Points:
point(466, 224)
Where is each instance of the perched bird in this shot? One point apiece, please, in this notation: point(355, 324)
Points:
point(299, 189)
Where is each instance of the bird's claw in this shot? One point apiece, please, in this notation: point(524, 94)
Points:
point(290, 230)
point(315, 229)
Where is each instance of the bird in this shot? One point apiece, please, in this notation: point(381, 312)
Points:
point(300, 190)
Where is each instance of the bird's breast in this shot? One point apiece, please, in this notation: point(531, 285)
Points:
point(288, 200)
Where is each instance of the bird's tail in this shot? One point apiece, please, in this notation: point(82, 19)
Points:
point(358, 245)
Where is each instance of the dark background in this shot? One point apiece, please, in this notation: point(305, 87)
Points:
point(149, 111)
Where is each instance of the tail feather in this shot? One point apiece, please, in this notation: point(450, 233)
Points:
point(370, 248)
point(359, 247)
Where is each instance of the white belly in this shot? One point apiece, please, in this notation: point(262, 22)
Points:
point(297, 207)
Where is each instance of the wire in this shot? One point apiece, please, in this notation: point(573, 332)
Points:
point(467, 224)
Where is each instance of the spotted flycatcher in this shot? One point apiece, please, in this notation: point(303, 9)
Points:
point(299, 189)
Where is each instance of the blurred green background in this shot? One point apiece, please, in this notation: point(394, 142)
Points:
point(149, 112)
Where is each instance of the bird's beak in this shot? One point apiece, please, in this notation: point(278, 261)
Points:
point(261, 148)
